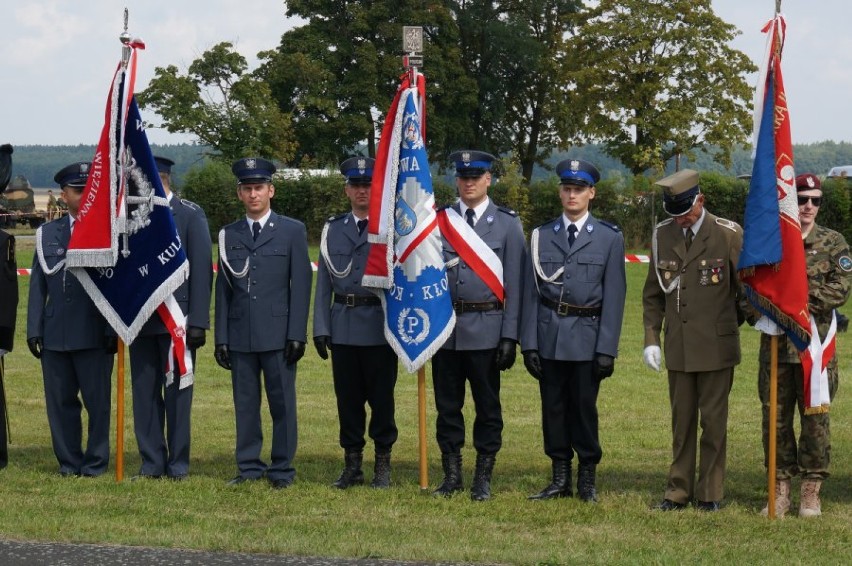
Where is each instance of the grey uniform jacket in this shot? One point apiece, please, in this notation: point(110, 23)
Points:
point(593, 275)
point(500, 229)
point(193, 295)
point(351, 326)
point(268, 307)
point(59, 309)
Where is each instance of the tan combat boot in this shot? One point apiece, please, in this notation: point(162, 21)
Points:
point(782, 499)
point(809, 504)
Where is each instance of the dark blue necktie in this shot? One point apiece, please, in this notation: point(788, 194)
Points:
point(361, 225)
point(255, 230)
point(469, 213)
point(572, 234)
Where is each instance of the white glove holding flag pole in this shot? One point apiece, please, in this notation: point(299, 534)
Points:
point(768, 326)
point(653, 357)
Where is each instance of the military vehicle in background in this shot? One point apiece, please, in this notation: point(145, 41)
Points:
point(17, 205)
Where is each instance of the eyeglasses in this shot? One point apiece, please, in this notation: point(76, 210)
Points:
point(803, 200)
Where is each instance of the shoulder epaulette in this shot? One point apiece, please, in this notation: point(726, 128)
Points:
point(729, 224)
point(613, 227)
point(190, 204)
point(333, 218)
point(665, 222)
point(508, 211)
point(551, 221)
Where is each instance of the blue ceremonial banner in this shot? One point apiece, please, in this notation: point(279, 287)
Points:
point(151, 262)
point(419, 313)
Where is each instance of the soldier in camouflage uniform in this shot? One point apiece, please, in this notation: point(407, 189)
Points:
point(829, 268)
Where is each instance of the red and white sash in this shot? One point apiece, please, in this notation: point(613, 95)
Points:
point(473, 250)
point(815, 360)
point(175, 322)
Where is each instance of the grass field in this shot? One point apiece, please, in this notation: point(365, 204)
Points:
point(312, 518)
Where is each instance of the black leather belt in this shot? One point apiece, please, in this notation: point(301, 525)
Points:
point(466, 306)
point(357, 300)
point(564, 309)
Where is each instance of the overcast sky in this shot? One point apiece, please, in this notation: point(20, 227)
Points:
point(58, 57)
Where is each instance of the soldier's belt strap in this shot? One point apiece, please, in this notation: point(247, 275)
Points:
point(357, 300)
point(565, 309)
point(465, 306)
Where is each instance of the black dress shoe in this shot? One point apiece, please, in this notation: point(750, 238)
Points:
point(179, 477)
point(709, 506)
point(280, 483)
point(68, 474)
point(669, 505)
point(145, 477)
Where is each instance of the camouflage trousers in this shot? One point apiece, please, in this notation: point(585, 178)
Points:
point(811, 457)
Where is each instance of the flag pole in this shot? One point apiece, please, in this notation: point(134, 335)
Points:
point(412, 46)
point(119, 379)
point(421, 413)
point(119, 415)
point(773, 403)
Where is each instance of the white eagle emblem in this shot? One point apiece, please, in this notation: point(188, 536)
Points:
point(251, 163)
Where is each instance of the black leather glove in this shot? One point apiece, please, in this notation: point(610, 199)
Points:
point(195, 337)
point(842, 322)
point(111, 345)
point(223, 358)
point(36, 345)
point(505, 354)
point(533, 363)
point(603, 366)
point(293, 351)
point(323, 345)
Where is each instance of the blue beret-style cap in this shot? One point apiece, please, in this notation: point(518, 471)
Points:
point(471, 163)
point(253, 170)
point(358, 170)
point(73, 175)
point(164, 164)
point(577, 172)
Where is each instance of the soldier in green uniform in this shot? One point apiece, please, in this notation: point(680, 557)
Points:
point(829, 267)
point(692, 285)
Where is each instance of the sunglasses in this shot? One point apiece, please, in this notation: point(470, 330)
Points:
point(803, 200)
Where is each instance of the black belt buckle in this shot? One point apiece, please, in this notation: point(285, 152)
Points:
point(458, 307)
point(563, 309)
point(350, 300)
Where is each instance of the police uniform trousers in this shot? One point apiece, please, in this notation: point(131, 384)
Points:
point(569, 413)
point(279, 378)
point(4, 440)
point(698, 398)
point(811, 457)
point(365, 374)
point(157, 408)
point(65, 374)
point(450, 370)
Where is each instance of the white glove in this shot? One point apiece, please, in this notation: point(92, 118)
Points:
point(768, 326)
point(653, 357)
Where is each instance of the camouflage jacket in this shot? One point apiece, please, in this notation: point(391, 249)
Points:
point(829, 283)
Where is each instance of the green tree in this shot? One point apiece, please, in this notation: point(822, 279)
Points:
point(514, 49)
point(662, 80)
point(336, 75)
point(225, 107)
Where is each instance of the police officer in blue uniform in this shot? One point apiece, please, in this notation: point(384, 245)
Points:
point(263, 294)
point(71, 337)
point(574, 293)
point(8, 301)
point(162, 410)
point(486, 332)
point(349, 321)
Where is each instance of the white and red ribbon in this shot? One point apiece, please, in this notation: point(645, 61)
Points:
point(175, 322)
point(473, 250)
point(815, 360)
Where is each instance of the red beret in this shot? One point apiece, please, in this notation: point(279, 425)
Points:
point(807, 182)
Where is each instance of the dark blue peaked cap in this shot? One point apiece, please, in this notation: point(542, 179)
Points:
point(471, 163)
point(164, 164)
point(577, 172)
point(73, 175)
point(358, 170)
point(253, 170)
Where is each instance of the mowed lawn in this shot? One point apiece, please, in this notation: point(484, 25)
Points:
point(401, 523)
